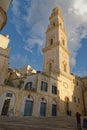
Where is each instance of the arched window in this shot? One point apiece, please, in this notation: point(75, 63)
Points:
point(67, 106)
point(64, 66)
point(28, 86)
point(63, 42)
point(50, 67)
point(51, 41)
point(54, 109)
point(43, 105)
point(54, 24)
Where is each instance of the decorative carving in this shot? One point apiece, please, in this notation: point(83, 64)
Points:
point(65, 85)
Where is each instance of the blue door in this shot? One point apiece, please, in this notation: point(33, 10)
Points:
point(28, 108)
point(53, 109)
point(43, 109)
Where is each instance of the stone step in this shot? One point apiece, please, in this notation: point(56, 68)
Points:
point(61, 123)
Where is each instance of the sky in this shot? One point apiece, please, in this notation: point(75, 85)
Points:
point(27, 24)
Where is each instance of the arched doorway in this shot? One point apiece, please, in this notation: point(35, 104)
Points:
point(43, 107)
point(28, 106)
point(5, 107)
point(7, 103)
point(54, 108)
point(67, 105)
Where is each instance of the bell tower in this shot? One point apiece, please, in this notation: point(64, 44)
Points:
point(56, 54)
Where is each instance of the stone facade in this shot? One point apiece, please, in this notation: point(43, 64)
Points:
point(52, 92)
point(84, 80)
point(4, 57)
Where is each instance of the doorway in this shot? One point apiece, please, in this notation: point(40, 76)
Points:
point(43, 109)
point(53, 109)
point(67, 105)
point(5, 107)
point(28, 108)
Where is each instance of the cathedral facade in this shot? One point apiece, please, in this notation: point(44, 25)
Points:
point(52, 92)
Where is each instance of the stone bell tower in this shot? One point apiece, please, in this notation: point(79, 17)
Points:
point(56, 54)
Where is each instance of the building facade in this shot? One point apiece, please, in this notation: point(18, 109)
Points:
point(52, 92)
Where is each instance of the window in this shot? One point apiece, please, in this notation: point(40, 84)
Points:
point(28, 85)
point(77, 82)
point(54, 24)
point(54, 89)
point(64, 67)
point(51, 42)
point(76, 100)
point(54, 109)
point(63, 42)
point(9, 95)
point(44, 86)
point(50, 67)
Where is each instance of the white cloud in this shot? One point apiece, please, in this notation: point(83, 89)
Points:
point(80, 7)
point(18, 61)
point(81, 72)
point(35, 20)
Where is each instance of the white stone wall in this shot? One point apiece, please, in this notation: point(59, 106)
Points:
point(32, 78)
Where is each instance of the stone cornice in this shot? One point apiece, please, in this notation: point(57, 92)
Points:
point(66, 75)
point(64, 49)
point(56, 26)
point(53, 46)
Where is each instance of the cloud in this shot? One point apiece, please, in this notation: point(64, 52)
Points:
point(17, 61)
point(33, 17)
point(80, 7)
point(81, 72)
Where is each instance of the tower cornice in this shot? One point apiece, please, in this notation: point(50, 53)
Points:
point(54, 46)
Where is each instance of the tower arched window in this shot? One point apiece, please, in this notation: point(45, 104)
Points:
point(51, 41)
point(50, 67)
point(54, 24)
point(64, 66)
point(63, 42)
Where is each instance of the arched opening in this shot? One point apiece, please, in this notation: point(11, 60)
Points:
point(43, 105)
point(28, 106)
point(50, 67)
point(64, 66)
point(54, 109)
point(7, 104)
point(67, 106)
point(51, 41)
point(28, 86)
point(5, 107)
point(63, 42)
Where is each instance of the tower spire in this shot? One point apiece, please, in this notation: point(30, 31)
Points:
point(56, 54)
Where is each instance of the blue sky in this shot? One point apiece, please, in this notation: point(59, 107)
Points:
point(27, 24)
